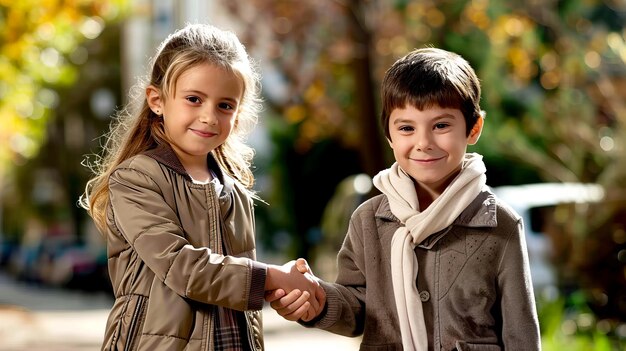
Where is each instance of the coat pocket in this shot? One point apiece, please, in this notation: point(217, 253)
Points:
point(129, 324)
point(138, 311)
point(467, 346)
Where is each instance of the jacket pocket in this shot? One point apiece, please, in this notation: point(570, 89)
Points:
point(132, 321)
point(468, 346)
point(137, 311)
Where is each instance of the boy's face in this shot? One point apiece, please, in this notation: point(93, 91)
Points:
point(430, 144)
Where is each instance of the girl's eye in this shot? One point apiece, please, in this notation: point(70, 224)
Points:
point(405, 129)
point(194, 99)
point(226, 106)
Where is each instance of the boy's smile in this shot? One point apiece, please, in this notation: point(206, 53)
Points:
point(429, 145)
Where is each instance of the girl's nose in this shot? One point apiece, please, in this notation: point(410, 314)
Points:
point(208, 117)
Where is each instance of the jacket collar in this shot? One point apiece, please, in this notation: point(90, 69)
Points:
point(480, 213)
point(165, 155)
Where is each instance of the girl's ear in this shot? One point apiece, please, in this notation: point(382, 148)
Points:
point(153, 97)
point(476, 131)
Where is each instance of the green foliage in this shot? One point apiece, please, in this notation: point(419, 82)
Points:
point(567, 323)
point(39, 42)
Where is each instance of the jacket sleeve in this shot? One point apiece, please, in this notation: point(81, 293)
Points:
point(520, 326)
point(152, 229)
point(344, 313)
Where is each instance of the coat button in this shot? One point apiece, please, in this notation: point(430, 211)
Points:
point(424, 296)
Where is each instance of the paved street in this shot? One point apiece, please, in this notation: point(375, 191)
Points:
point(45, 319)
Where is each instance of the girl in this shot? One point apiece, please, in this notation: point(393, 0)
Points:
point(173, 197)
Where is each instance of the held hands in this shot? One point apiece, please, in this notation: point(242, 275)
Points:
point(293, 302)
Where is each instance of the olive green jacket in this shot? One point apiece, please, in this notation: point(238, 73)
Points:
point(474, 281)
point(166, 238)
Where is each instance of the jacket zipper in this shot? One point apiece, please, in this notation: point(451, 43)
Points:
point(210, 341)
point(135, 323)
point(223, 246)
point(251, 339)
point(215, 245)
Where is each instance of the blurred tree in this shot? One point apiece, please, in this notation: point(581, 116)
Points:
point(58, 90)
point(553, 76)
point(39, 49)
point(318, 80)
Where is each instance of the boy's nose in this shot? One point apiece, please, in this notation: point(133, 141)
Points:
point(423, 142)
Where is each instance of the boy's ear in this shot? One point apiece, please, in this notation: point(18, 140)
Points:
point(153, 97)
point(476, 131)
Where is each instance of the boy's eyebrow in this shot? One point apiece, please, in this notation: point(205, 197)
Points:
point(445, 115)
point(438, 117)
point(402, 120)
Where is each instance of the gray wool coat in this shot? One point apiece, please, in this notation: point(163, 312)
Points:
point(474, 281)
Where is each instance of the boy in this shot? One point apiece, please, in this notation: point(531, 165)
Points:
point(435, 262)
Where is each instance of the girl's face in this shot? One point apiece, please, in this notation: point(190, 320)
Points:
point(200, 113)
point(429, 145)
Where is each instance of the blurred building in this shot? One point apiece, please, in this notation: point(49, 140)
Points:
point(153, 20)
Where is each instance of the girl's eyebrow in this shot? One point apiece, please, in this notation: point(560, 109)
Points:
point(193, 91)
point(198, 92)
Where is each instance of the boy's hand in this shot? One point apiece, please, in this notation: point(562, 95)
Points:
point(303, 266)
point(320, 295)
point(293, 306)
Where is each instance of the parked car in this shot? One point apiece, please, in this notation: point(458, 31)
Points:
point(531, 201)
point(60, 259)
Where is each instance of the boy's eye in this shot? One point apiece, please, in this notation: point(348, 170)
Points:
point(441, 125)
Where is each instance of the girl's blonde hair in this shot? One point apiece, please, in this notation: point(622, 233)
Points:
point(137, 130)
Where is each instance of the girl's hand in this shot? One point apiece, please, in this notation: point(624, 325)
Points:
point(288, 278)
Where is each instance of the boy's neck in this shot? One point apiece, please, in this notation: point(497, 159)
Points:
point(425, 196)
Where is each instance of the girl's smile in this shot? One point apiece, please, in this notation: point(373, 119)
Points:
point(203, 134)
point(199, 114)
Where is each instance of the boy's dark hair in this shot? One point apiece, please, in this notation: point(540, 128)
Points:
point(431, 77)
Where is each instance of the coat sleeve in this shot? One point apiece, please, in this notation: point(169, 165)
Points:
point(520, 326)
point(344, 313)
point(152, 229)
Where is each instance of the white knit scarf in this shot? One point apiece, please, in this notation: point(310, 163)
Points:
point(400, 190)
